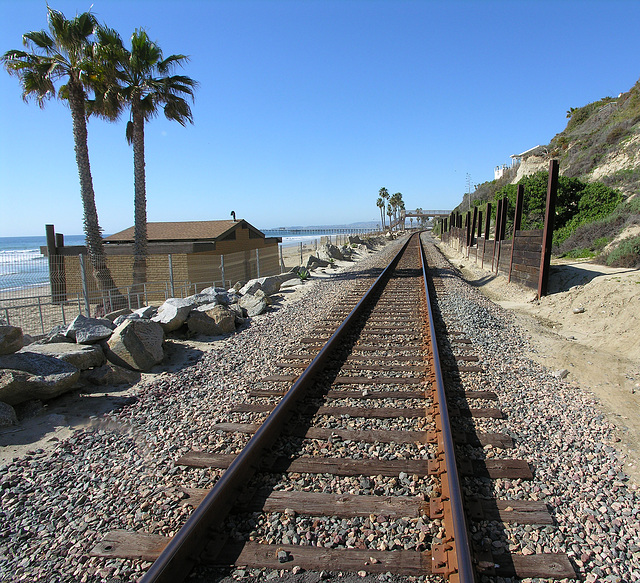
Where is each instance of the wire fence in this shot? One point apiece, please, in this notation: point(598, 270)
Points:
point(38, 292)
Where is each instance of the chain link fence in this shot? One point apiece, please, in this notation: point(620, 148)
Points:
point(38, 292)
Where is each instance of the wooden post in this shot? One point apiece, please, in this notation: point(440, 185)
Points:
point(547, 233)
point(54, 260)
point(505, 213)
point(517, 221)
point(497, 231)
point(469, 232)
point(479, 235)
point(487, 225)
point(487, 228)
point(503, 228)
point(473, 229)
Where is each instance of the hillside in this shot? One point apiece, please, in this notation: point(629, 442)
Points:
point(600, 143)
point(599, 150)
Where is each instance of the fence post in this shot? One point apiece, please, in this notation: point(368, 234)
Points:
point(497, 230)
point(282, 267)
point(85, 287)
point(222, 270)
point(474, 220)
point(502, 227)
point(547, 233)
point(172, 288)
point(517, 220)
point(258, 262)
point(301, 250)
point(467, 239)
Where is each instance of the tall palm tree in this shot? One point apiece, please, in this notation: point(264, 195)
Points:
point(395, 201)
point(384, 195)
point(142, 82)
point(380, 205)
point(66, 54)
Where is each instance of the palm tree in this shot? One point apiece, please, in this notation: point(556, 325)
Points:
point(384, 194)
point(380, 205)
point(395, 202)
point(142, 81)
point(66, 54)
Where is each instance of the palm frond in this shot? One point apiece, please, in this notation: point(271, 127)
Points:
point(167, 65)
point(177, 109)
point(40, 39)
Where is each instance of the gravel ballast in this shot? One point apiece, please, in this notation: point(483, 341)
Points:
point(559, 430)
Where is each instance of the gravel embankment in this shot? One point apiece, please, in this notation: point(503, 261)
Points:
point(121, 474)
point(567, 441)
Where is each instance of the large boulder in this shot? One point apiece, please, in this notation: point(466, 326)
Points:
point(136, 344)
point(111, 316)
point(89, 330)
point(206, 296)
point(223, 296)
point(314, 262)
point(57, 335)
point(7, 415)
point(212, 320)
point(173, 313)
point(238, 314)
point(82, 356)
point(146, 312)
point(25, 376)
point(111, 374)
point(254, 305)
point(250, 287)
point(11, 339)
point(268, 285)
point(329, 252)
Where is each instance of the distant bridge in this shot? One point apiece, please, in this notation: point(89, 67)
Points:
point(419, 214)
point(327, 231)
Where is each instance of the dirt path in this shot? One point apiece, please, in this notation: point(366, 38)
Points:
point(589, 326)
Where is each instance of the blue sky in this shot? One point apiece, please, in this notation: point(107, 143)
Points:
point(306, 108)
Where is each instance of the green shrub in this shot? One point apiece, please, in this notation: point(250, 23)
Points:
point(600, 243)
point(626, 254)
point(579, 254)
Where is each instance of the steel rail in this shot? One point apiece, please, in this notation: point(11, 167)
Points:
point(181, 553)
point(465, 569)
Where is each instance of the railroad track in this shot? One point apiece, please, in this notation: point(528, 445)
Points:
point(351, 463)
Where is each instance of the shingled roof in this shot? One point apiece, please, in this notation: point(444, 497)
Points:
point(184, 231)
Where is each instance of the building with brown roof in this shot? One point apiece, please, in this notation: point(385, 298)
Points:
point(184, 257)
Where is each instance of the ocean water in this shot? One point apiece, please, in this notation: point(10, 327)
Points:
point(22, 265)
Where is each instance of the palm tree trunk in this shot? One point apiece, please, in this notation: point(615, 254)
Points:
point(140, 203)
point(92, 230)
